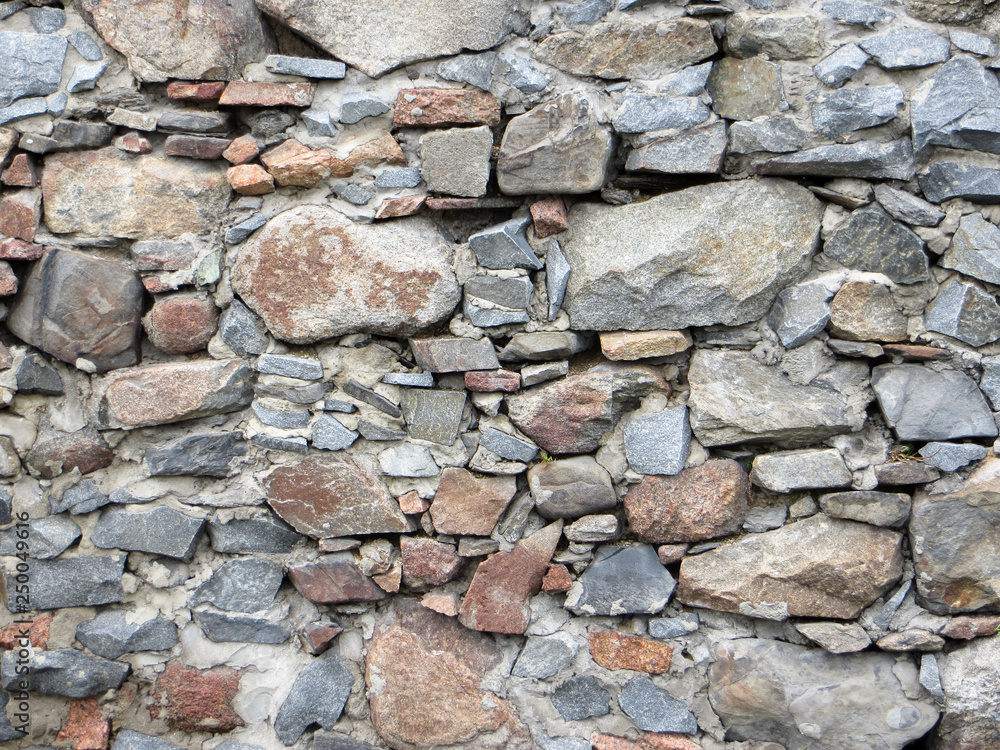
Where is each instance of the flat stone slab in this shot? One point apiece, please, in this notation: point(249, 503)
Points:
point(69, 582)
point(66, 672)
point(454, 354)
point(621, 581)
point(788, 471)
point(161, 531)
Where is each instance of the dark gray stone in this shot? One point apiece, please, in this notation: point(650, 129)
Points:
point(507, 446)
point(557, 270)
point(952, 456)
point(432, 415)
point(305, 66)
point(802, 311)
point(949, 179)
point(659, 443)
point(318, 696)
point(377, 432)
point(907, 48)
point(586, 11)
point(960, 109)
point(696, 151)
point(290, 367)
point(965, 312)
point(221, 628)
point(6, 506)
point(454, 354)
point(543, 345)
point(409, 379)
point(907, 207)
point(84, 44)
point(111, 634)
point(487, 317)
point(74, 582)
point(871, 241)
point(542, 658)
point(319, 122)
point(505, 246)
point(270, 443)
point(581, 698)
point(354, 389)
point(762, 519)
point(38, 377)
point(520, 73)
point(242, 330)
point(890, 509)
point(864, 159)
point(161, 531)
point(975, 249)
point(674, 627)
point(654, 709)
point(848, 110)
point(7, 730)
point(296, 394)
point(571, 487)
point(355, 194)
point(76, 135)
point(82, 497)
point(64, 671)
point(33, 65)
point(512, 293)
point(356, 106)
point(774, 134)
point(837, 69)
point(247, 536)
point(280, 414)
point(243, 585)
point(974, 43)
point(46, 538)
point(336, 741)
point(621, 581)
point(193, 121)
point(46, 20)
point(639, 113)
point(857, 13)
point(209, 455)
point(85, 76)
point(476, 70)
point(129, 739)
point(27, 108)
point(398, 178)
point(237, 234)
point(329, 434)
point(269, 124)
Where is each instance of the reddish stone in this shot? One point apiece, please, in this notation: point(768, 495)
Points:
point(497, 599)
point(644, 742)
point(258, 94)
point(389, 582)
point(967, 627)
point(406, 206)
point(382, 149)
point(292, 163)
point(162, 283)
point(250, 179)
point(493, 381)
point(916, 353)
point(703, 502)
point(618, 651)
point(194, 700)
point(86, 728)
point(242, 150)
point(8, 281)
point(37, 633)
point(557, 579)
point(549, 216)
point(632, 345)
point(57, 453)
point(317, 637)
point(21, 172)
point(671, 553)
point(338, 545)
point(20, 213)
point(427, 563)
point(465, 204)
point(445, 604)
point(467, 504)
point(133, 143)
point(196, 92)
point(15, 249)
point(425, 108)
point(412, 503)
point(334, 579)
point(181, 324)
point(195, 146)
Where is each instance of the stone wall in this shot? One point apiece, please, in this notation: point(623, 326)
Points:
point(500, 374)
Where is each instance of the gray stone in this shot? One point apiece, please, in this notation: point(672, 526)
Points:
point(654, 709)
point(505, 246)
point(908, 208)
point(432, 415)
point(85, 76)
point(862, 349)
point(270, 124)
point(922, 404)
point(760, 689)
point(765, 519)
point(959, 108)
point(338, 405)
point(113, 634)
point(36, 376)
point(951, 179)
point(674, 627)
point(965, 312)
point(511, 293)
point(930, 676)
point(24, 108)
point(837, 69)
point(802, 311)
point(82, 497)
point(221, 628)
point(789, 471)
point(990, 381)
point(542, 345)
point(246, 536)
point(580, 698)
point(129, 739)
point(969, 679)
point(288, 366)
point(535, 374)
point(408, 460)
point(7, 730)
point(63, 671)
point(639, 113)
point(77, 135)
point(857, 13)
point(903, 473)
point(73, 582)
point(377, 432)
point(621, 581)
point(454, 354)
point(864, 159)
point(398, 178)
point(563, 743)
point(456, 161)
point(318, 696)
point(590, 529)
point(193, 121)
point(476, 70)
point(487, 317)
point(354, 389)
point(952, 456)
point(507, 446)
point(319, 122)
point(242, 331)
point(975, 249)
point(305, 67)
point(659, 443)
point(871, 241)
point(33, 65)
point(329, 434)
point(6, 506)
point(774, 134)
point(239, 233)
point(46, 20)
point(848, 110)
point(334, 741)
point(557, 270)
point(587, 11)
point(782, 37)
point(974, 43)
point(651, 265)
point(242, 585)
point(907, 48)
point(209, 455)
point(571, 487)
point(46, 538)
point(409, 379)
point(355, 194)
point(746, 89)
point(543, 657)
point(161, 531)
point(84, 44)
point(696, 151)
point(836, 637)
point(691, 81)
point(520, 73)
point(890, 509)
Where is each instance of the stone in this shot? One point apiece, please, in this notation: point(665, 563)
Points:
point(398, 178)
point(696, 151)
point(428, 564)
point(65, 671)
point(431, 415)
point(543, 657)
point(161, 531)
point(648, 741)
point(196, 700)
point(34, 65)
point(621, 581)
point(703, 502)
point(239, 233)
point(913, 639)
point(409, 379)
point(507, 446)
point(776, 134)
point(629, 48)
point(952, 456)
point(890, 509)
point(454, 354)
point(22, 109)
point(581, 698)
point(974, 43)
point(965, 312)
point(571, 487)
point(674, 627)
point(111, 634)
point(85, 76)
point(630, 346)
point(166, 393)
point(549, 216)
point(802, 311)
point(20, 213)
point(198, 92)
point(557, 147)
point(357, 105)
point(376, 289)
point(334, 579)
point(329, 434)
point(786, 37)
point(848, 110)
point(973, 249)
point(241, 585)
point(967, 627)
point(871, 241)
point(618, 651)
point(659, 443)
point(910, 399)
point(129, 739)
point(262, 534)
point(958, 108)
point(514, 293)
point(85, 726)
point(242, 331)
point(83, 497)
point(265, 94)
point(55, 453)
point(764, 575)
point(654, 709)
point(290, 366)
point(557, 580)
point(543, 373)
point(22, 172)
point(404, 206)
point(357, 391)
point(294, 164)
point(376, 432)
point(317, 637)
point(556, 278)
point(457, 161)
point(915, 353)
point(467, 504)
point(640, 113)
point(408, 460)
point(863, 311)
point(761, 688)
point(497, 599)
point(250, 179)
point(857, 13)
point(14, 249)
point(906, 48)
point(36, 376)
point(241, 150)
point(864, 159)
point(304, 66)
point(903, 473)
point(438, 107)
point(745, 89)
point(72, 582)
point(790, 471)
point(206, 455)
point(232, 629)
point(181, 324)
point(542, 345)
point(836, 637)
point(503, 381)
point(331, 496)
point(951, 179)
point(838, 68)
point(968, 677)
point(46, 537)
point(317, 696)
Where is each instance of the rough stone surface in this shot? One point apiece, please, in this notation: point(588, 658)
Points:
point(871, 241)
point(745, 89)
point(965, 312)
point(334, 579)
point(161, 531)
point(242, 585)
point(467, 504)
point(207, 455)
point(890, 509)
point(696, 151)
point(864, 311)
point(622, 580)
point(71, 582)
point(659, 443)
point(907, 48)
point(617, 651)
point(317, 696)
point(432, 415)
point(788, 471)
point(581, 698)
point(654, 709)
point(835, 637)
point(66, 672)
point(457, 161)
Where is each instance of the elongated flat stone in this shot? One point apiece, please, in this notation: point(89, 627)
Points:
point(161, 531)
point(70, 582)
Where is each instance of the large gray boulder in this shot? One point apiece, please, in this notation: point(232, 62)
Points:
point(970, 677)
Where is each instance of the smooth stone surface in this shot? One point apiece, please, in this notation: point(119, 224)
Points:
point(837, 69)
point(220, 628)
point(408, 460)
point(306, 67)
point(571, 487)
point(907, 207)
point(745, 89)
point(836, 637)
point(621, 581)
point(504, 246)
point(329, 434)
point(454, 354)
point(507, 446)
point(111, 634)
point(789, 471)
point(262, 534)
point(775, 134)
point(952, 456)
point(953, 179)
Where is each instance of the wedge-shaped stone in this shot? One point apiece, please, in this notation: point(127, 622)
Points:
point(975, 249)
point(312, 273)
point(819, 567)
point(871, 241)
point(112, 634)
point(959, 108)
point(161, 531)
point(717, 253)
point(334, 579)
point(622, 581)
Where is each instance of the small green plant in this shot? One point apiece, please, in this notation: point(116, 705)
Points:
point(546, 458)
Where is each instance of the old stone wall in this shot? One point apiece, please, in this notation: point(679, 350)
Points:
point(500, 374)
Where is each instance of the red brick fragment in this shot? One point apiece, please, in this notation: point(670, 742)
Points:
point(618, 651)
point(262, 94)
point(250, 179)
point(557, 579)
point(196, 92)
point(86, 728)
point(21, 172)
point(194, 700)
point(493, 381)
point(195, 146)
point(437, 107)
point(405, 206)
point(549, 216)
point(242, 150)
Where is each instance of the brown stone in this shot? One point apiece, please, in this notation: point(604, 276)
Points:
point(258, 94)
point(81, 309)
point(8, 279)
point(467, 204)
point(382, 149)
point(497, 599)
point(425, 108)
point(390, 581)
point(411, 503)
point(334, 579)
point(632, 345)
point(330, 496)
point(913, 639)
point(196, 700)
point(644, 742)
point(406, 206)
point(20, 213)
point(21, 172)
point(209, 91)
point(166, 393)
point(903, 473)
point(916, 353)
point(549, 216)
point(864, 311)
point(292, 163)
point(423, 672)
point(745, 89)
point(967, 627)
point(557, 579)
point(133, 143)
point(37, 633)
point(469, 504)
point(85, 728)
point(317, 637)
point(618, 651)
point(427, 563)
point(195, 146)
point(671, 553)
point(492, 381)
point(181, 324)
point(56, 453)
point(241, 150)
point(443, 603)
point(250, 179)
point(15, 249)
point(703, 502)
point(9, 139)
